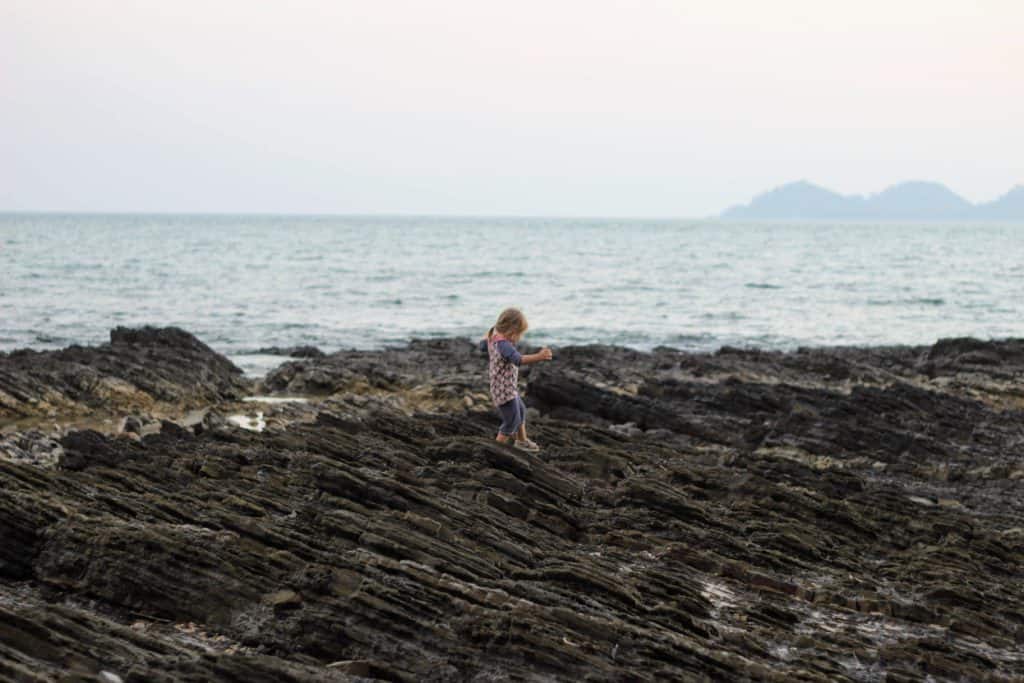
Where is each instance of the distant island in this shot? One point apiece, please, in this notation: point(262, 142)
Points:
point(914, 201)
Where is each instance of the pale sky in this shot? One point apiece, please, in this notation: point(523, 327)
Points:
point(553, 107)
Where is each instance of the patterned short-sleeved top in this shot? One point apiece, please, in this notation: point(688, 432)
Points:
point(503, 372)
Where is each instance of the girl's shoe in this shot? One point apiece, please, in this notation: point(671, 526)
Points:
point(527, 445)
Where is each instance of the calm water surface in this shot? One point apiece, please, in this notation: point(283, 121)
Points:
point(245, 282)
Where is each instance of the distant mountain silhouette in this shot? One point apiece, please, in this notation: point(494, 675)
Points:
point(916, 200)
point(1009, 207)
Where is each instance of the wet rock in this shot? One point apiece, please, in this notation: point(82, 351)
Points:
point(628, 429)
point(293, 351)
point(828, 514)
point(212, 421)
point(139, 368)
point(445, 363)
point(131, 424)
point(88, 447)
point(284, 599)
point(33, 448)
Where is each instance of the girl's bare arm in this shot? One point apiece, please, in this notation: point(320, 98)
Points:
point(530, 358)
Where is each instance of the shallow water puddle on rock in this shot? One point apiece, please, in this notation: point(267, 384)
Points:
point(254, 424)
point(275, 399)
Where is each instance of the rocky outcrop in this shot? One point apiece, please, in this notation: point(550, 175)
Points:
point(844, 514)
point(444, 363)
point(293, 351)
point(146, 368)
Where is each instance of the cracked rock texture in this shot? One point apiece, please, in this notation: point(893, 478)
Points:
point(827, 514)
point(142, 368)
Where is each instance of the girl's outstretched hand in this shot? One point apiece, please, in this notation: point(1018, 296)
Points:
point(543, 354)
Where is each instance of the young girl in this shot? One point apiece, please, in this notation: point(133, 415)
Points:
point(504, 373)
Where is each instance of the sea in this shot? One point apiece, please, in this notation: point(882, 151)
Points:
point(243, 283)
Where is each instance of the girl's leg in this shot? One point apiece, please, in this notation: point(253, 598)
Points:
point(508, 411)
point(521, 432)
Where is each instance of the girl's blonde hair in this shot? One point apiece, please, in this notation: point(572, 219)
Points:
point(510, 322)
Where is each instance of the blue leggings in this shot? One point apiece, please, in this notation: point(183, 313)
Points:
point(513, 414)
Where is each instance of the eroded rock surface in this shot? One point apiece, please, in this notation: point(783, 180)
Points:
point(846, 514)
point(143, 368)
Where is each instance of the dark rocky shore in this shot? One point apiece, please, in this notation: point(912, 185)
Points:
point(840, 514)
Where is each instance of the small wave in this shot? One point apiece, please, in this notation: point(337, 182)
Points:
point(497, 273)
point(761, 285)
point(919, 301)
point(700, 338)
point(723, 315)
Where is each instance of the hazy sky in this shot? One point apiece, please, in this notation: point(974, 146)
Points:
point(595, 107)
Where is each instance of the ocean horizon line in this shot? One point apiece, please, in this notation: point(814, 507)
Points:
point(725, 221)
point(358, 214)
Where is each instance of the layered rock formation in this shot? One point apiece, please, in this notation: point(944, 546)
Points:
point(140, 369)
point(844, 514)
